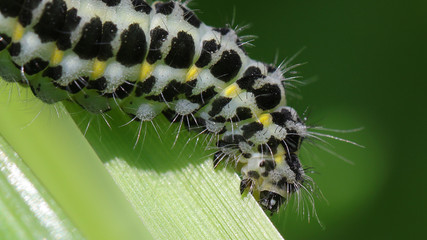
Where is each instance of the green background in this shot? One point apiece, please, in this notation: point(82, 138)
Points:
point(366, 63)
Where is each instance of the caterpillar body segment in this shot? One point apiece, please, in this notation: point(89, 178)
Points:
point(159, 59)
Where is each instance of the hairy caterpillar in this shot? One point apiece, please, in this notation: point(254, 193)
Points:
point(160, 59)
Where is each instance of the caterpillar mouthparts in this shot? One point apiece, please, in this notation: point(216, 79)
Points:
point(160, 59)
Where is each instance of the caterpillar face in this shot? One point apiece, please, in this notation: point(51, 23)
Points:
point(159, 59)
point(273, 168)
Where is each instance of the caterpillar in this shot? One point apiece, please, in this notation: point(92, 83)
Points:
point(159, 58)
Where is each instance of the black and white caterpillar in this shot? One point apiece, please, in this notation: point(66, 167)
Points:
point(160, 59)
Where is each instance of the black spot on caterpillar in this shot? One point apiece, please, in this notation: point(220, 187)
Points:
point(161, 59)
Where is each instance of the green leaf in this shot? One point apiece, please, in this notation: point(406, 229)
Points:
point(61, 158)
point(171, 186)
point(27, 209)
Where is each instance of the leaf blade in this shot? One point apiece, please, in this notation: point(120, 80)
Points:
point(63, 161)
point(176, 179)
point(28, 211)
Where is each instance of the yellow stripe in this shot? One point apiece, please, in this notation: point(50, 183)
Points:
point(56, 57)
point(280, 155)
point(18, 32)
point(145, 71)
point(98, 69)
point(192, 73)
point(265, 119)
point(278, 158)
point(232, 91)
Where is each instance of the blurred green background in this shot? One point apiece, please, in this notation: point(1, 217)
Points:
point(368, 60)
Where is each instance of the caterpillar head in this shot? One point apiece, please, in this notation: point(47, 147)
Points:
point(275, 171)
